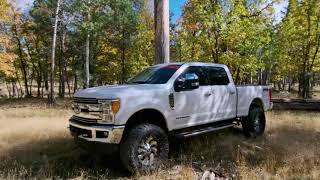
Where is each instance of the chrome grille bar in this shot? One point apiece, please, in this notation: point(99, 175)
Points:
point(85, 100)
point(85, 120)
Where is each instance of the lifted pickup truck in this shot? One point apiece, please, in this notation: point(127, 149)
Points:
point(165, 100)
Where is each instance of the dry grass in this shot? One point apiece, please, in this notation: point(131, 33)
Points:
point(35, 143)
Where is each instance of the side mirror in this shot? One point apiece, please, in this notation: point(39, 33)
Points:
point(190, 81)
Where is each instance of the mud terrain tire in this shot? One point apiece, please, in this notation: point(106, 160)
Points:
point(144, 148)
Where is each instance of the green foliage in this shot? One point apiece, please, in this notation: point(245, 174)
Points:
point(236, 33)
point(297, 42)
point(239, 33)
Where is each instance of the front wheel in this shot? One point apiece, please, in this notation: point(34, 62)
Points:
point(254, 124)
point(144, 148)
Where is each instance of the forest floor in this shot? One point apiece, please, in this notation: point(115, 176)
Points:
point(35, 143)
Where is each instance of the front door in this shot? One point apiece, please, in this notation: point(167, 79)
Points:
point(193, 107)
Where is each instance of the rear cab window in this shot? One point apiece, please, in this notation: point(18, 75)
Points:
point(217, 76)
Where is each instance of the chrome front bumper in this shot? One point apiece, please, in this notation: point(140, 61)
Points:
point(105, 133)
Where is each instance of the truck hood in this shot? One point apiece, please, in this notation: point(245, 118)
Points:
point(118, 91)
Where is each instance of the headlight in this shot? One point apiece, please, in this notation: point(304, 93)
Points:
point(115, 105)
point(109, 108)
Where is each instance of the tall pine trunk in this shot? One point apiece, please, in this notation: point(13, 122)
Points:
point(62, 62)
point(123, 56)
point(87, 64)
point(53, 53)
point(87, 82)
point(161, 10)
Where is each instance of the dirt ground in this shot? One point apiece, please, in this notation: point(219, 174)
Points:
point(35, 143)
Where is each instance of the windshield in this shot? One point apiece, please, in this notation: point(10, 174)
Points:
point(155, 75)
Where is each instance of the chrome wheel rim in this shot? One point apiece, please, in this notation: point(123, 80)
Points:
point(256, 122)
point(147, 151)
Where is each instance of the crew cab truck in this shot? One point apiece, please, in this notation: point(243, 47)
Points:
point(176, 99)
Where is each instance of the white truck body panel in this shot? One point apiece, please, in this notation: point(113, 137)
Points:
point(133, 98)
point(246, 94)
point(200, 106)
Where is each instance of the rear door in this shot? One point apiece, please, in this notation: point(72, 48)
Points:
point(223, 93)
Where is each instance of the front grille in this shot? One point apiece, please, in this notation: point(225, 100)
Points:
point(84, 120)
point(85, 100)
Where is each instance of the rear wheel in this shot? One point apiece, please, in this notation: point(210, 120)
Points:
point(144, 148)
point(254, 124)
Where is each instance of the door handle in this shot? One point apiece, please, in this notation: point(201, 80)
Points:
point(207, 94)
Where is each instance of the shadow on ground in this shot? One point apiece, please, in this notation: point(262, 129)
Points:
point(58, 157)
point(222, 152)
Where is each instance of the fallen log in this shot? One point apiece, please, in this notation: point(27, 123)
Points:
point(296, 104)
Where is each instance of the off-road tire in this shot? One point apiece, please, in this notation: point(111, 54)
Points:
point(132, 142)
point(254, 124)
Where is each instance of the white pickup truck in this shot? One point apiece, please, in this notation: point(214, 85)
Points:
point(176, 99)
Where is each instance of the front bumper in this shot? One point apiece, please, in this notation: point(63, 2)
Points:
point(110, 134)
point(98, 148)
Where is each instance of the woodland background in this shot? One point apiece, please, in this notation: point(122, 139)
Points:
point(117, 38)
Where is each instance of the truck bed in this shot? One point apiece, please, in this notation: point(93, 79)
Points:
point(246, 94)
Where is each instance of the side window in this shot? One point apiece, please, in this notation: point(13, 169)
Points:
point(217, 76)
point(200, 72)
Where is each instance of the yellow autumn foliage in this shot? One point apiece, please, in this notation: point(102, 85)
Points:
point(6, 56)
point(4, 7)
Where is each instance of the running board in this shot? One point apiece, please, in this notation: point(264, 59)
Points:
point(205, 130)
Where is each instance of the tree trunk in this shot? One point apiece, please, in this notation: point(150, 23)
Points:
point(39, 72)
point(8, 89)
point(30, 85)
point(39, 79)
point(180, 52)
point(22, 61)
point(75, 86)
point(14, 88)
point(34, 69)
point(312, 83)
point(289, 83)
point(279, 85)
point(87, 83)
point(123, 67)
point(62, 62)
point(237, 76)
point(46, 80)
point(162, 49)
point(123, 56)
point(300, 84)
point(68, 84)
point(53, 53)
point(87, 64)
point(42, 89)
point(306, 77)
point(18, 79)
point(58, 65)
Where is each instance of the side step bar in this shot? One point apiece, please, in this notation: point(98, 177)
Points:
point(205, 130)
